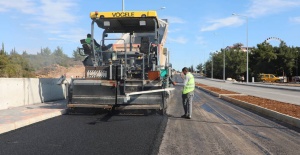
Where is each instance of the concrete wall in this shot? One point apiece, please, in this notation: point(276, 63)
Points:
point(16, 92)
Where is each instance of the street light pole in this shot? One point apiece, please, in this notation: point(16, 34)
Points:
point(246, 45)
point(123, 5)
point(223, 65)
point(297, 67)
point(297, 64)
point(212, 66)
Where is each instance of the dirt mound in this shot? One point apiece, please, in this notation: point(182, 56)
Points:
point(56, 71)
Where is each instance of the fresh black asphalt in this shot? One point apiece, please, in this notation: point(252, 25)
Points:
point(85, 133)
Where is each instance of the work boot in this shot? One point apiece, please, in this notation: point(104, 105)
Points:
point(183, 116)
point(189, 117)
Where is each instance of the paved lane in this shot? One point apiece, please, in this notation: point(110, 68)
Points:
point(282, 95)
point(87, 134)
point(218, 127)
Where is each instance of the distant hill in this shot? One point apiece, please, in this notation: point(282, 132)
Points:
point(44, 64)
point(56, 71)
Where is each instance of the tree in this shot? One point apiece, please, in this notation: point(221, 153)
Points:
point(77, 56)
point(191, 69)
point(19, 66)
point(261, 59)
point(24, 65)
point(296, 50)
point(25, 54)
point(235, 64)
point(2, 52)
point(200, 68)
point(237, 46)
point(264, 58)
point(59, 57)
point(58, 52)
point(4, 61)
point(45, 51)
point(285, 62)
point(13, 51)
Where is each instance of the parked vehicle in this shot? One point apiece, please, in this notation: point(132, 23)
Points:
point(268, 78)
point(296, 79)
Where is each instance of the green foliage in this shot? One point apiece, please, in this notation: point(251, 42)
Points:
point(24, 65)
point(47, 58)
point(2, 52)
point(286, 59)
point(4, 61)
point(77, 56)
point(261, 59)
point(264, 58)
point(14, 65)
point(237, 46)
point(235, 63)
point(13, 51)
point(58, 52)
point(200, 68)
point(60, 58)
point(191, 69)
point(45, 51)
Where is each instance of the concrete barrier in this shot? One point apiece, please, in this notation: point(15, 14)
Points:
point(17, 92)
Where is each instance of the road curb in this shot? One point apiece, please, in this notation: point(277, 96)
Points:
point(267, 112)
point(271, 113)
point(208, 91)
point(269, 86)
point(214, 93)
point(18, 124)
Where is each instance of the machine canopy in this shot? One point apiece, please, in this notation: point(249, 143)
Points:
point(126, 22)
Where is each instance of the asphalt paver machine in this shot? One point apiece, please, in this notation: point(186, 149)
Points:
point(133, 72)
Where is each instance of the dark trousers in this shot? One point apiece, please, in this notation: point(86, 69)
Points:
point(187, 100)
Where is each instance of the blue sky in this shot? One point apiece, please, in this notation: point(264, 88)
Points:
point(197, 27)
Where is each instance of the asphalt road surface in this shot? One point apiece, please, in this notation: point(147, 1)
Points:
point(282, 95)
point(216, 127)
point(87, 134)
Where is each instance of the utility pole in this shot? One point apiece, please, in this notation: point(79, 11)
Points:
point(212, 67)
point(297, 64)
